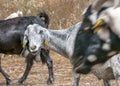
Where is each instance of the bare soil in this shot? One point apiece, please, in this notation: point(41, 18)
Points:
point(14, 65)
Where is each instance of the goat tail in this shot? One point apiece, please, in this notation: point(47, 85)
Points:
point(44, 16)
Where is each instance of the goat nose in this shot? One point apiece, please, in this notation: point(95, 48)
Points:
point(33, 47)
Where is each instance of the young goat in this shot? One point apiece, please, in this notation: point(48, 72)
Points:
point(11, 37)
point(80, 47)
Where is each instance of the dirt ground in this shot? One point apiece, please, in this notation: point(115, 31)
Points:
point(14, 65)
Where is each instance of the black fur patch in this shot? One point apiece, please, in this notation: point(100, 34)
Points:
point(88, 11)
point(101, 10)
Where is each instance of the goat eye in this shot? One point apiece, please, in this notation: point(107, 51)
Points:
point(41, 31)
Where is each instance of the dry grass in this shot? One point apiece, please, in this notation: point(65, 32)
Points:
point(63, 13)
point(14, 66)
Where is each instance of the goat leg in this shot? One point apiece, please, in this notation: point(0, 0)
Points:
point(51, 76)
point(75, 78)
point(106, 82)
point(29, 60)
point(8, 80)
point(45, 56)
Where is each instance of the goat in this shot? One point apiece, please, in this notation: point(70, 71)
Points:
point(80, 47)
point(90, 14)
point(11, 37)
point(15, 14)
point(110, 16)
point(90, 17)
point(109, 70)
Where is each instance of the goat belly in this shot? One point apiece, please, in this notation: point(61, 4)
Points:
point(10, 47)
point(11, 51)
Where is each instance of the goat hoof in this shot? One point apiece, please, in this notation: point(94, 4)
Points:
point(50, 81)
point(8, 82)
point(20, 82)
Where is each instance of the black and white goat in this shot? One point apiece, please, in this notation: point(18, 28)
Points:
point(83, 48)
point(106, 14)
point(11, 37)
point(90, 14)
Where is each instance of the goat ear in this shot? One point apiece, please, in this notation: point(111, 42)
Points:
point(25, 39)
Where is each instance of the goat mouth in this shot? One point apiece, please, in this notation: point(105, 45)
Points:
point(34, 52)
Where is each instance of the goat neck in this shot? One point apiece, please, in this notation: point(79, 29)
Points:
point(62, 41)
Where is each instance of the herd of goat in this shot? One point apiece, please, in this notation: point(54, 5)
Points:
point(92, 45)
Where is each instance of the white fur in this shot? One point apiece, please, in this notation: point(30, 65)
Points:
point(97, 4)
point(104, 34)
point(15, 14)
point(111, 16)
point(93, 17)
point(106, 46)
point(92, 58)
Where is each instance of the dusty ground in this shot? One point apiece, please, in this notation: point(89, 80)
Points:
point(14, 66)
